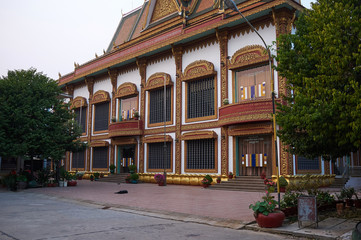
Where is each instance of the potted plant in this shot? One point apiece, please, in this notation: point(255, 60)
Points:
point(114, 119)
point(357, 201)
point(159, 178)
point(206, 181)
point(136, 115)
point(72, 180)
point(265, 213)
point(92, 177)
point(219, 179)
point(348, 193)
point(134, 178)
point(112, 168)
point(128, 178)
point(63, 175)
point(96, 175)
point(230, 175)
point(21, 181)
point(282, 183)
point(132, 168)
point(225, 101)
point(79, 175)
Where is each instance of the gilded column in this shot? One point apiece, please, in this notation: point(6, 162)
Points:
point(70, 91)
point(178, 54)
point(113, 74)
point(90, 84)
point(283, 21)
point(142, 67)
point(222, 38)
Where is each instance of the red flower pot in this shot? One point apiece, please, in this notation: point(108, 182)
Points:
point(205, 185)
point(273, 220)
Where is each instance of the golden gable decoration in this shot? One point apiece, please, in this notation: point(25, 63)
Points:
point(78, 102)
point(157, 138)
point(198, 69)
point(126, 89)
point(157, 81)
point(199, 135)
point(247, 56)
point(164, 8)
point(100, 96)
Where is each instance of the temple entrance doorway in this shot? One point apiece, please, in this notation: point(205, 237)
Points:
point(126, 157)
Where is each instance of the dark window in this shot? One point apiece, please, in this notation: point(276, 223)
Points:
point(156, 105)
point(201, 154)
point(304, 163)
point(101, 118)
point(201, 98)
point(78, 160)
point(100, 157)
point(156, 155)
point(80, 117)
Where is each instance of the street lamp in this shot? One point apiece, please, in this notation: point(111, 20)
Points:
point(232, 5)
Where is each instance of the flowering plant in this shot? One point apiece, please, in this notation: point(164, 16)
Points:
point(159, 178)
point(266, 206)
point(270, 185)
point(207, 180)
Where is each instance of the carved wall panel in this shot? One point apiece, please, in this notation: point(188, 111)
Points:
point(198, 69)
point(248, 55)
point(157, 81)
point(126, 89)
point(78, 102)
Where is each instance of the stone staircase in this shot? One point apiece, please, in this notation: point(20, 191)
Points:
point(242, 183)
point(339, 183)
point(116, 178)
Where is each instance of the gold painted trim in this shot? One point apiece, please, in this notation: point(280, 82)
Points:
point(100, 96)
point(249, 55)
point(199, 135)
point(126, 89)
point(99, 144)
point(78, 102)
point(198, 69)
point(157, 81)
point(157, 138)
point(124, 141)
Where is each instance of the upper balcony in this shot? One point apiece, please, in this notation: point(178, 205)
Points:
point(246, 111)
point(126, 128)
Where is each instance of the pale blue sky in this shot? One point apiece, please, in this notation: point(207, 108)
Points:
point(51, 35)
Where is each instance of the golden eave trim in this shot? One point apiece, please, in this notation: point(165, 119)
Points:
point(100, 96)
point(126, 89)
point(124, 141)
point(198, 69)
point(99, 144)
point(248, 55)
point(78, 102)
point(157, 138)
point(157, 81)
point(199, 135)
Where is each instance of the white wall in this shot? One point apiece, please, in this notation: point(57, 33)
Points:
point(104, 84)
point(82, 92)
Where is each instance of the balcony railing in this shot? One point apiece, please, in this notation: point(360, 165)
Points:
point(126, 128)
point(246, 111)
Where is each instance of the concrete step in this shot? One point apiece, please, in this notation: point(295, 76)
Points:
point(117, 178)
point(242, 183)
point(339, 183)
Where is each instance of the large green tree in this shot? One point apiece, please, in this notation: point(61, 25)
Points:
point(34, 120)
point(321, 114)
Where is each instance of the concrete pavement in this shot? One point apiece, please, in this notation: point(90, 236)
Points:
point(190, 204)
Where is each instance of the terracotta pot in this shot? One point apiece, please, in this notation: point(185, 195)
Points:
point(205, 185)
point(273, 220)
point(349, 202)
point(161, 184)
point(230, 176)
point(339, 208)
point(72, 183)
point(282, 189)
point(218, 180)
point(358, 203)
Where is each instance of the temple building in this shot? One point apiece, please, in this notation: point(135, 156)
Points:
point(186, 86)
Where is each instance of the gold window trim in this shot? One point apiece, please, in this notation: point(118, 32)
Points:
point(157, 81)
point(99, 144)
point(157, 138)
point(126, 89)
point(78, 102)
point(100, 96)
point(198, 69)
point(249, 55)
point(199, 135)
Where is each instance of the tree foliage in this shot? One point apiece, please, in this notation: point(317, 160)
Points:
point(34, 121)
point(322, 64)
